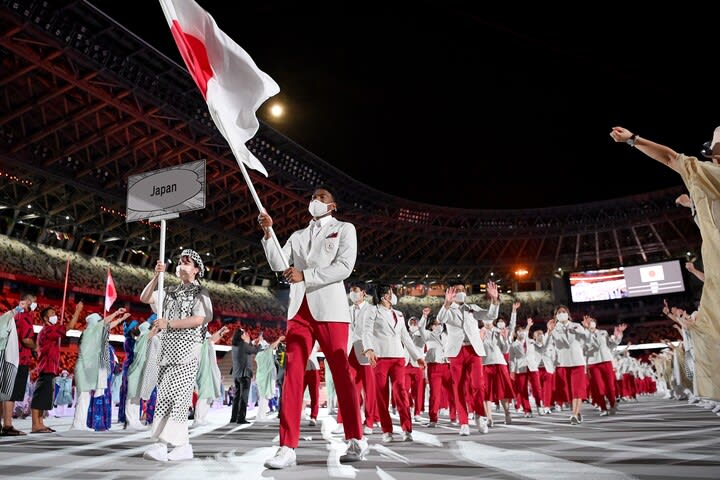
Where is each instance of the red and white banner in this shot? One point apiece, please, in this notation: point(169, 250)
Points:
point(233, 86)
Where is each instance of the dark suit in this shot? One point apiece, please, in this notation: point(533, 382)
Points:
point(242, 374)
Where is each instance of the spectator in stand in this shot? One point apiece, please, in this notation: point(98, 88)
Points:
point(702, 180)
point(48, 364)
point(26, 345)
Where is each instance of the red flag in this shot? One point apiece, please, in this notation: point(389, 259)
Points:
point(232, 85)
point(110, 292)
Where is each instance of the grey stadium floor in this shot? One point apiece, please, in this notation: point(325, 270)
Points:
point(653, 438)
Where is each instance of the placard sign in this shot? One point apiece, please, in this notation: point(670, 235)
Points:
point(170, 190)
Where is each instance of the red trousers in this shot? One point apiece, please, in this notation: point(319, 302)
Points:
point(522, 394)
point(394, 369)
point(440, 380)
point(312, 382)
point(574, 380)
point(602, 384)
point(466, 370)
point(415, 382)
point(364, 380)
point(547, 384)
point(302, 332)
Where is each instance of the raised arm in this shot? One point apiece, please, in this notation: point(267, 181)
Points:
point(661, 153)
point(147, 294)
point(691, 268)
point(76, 316)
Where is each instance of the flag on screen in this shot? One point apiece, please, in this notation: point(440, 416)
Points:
point(110, 292)
point(232, 85)
point(653, 273)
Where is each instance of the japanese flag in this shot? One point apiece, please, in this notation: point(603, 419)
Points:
point(110, 292)
point(232, 85)
point(652, 273)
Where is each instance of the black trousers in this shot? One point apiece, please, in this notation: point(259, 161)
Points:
point(240, 401)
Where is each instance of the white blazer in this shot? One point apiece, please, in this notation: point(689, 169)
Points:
point(358, 318)
point(325, 262)
point(386, 334)
point(435, 343)
point(534, 354)
point(462, 320)
point(518, 357)
point(549, 355)
point(600, 347)
point(419, 342)
point(496, 346)
point(570, 342)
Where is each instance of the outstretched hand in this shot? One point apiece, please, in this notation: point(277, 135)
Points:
point(620, 134)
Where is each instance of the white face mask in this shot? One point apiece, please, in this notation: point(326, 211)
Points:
point(488, 324)
point(592, 325)
point(460, 297)
point(53, 320)
point(393, 299)
point(522, 335)
point(562, 317)
point(501, 324)
point(33, 306)
point(354, 296)
point(317, 208)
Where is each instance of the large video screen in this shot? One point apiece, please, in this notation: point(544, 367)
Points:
point(597, 285)
point(654, 279)
point(637, 281)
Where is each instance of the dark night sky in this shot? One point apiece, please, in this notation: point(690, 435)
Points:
point(506, 108)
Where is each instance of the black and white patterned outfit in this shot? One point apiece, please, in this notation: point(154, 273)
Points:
point(179, 357)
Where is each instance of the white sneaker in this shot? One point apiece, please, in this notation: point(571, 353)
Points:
point(356, 451)
point(454, 423)
point(574, 420)
point(407, 437)
point(432, 425)
point(387, 438)
point(181, 452)
point(157, 452)
point(284, 457)
point(339, 429)
point(604, 413)
point(482, 424)
point(465, 430)
point(312, 422)
point(418, 419)
point(367, 430)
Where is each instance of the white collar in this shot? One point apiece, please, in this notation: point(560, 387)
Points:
point(322, 221)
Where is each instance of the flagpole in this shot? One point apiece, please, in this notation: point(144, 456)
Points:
point(251, 187)
point(161, 277)
point(260, 207)
point(107, 283)
point(67, 274)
